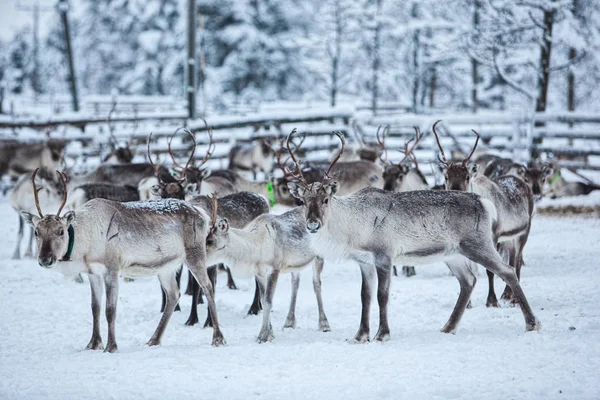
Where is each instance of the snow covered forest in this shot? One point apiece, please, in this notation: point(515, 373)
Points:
point(421, 56)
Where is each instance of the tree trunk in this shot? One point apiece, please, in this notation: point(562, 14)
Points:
point(545, 54)
point(474, 63)
point(415, 61)
point(432, 86)
point(376, 60)
point(63, 8)
point(335, 60)
point(191, 59)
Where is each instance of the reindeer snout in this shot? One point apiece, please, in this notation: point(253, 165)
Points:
point(46, 261)
point(313, 226)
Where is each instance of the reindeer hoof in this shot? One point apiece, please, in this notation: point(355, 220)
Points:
point(254, 310)
point(191, 321)
point(382, 337)
point(290, 323)
point(324, 326)
point(208, 323)
point(469, 305)
point(111, 348)
point(218, 340)
point(265, 337)
point(95, 344)
point(153, 342)
point(360, 338)
point(492, 303)
point(534, 325)
point(232, 286)
point(448, 329)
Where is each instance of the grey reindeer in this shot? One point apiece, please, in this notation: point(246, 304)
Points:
point(266, 247)
point(106, 238)
point(17, 158)
point(376, 228)
point(255, 156)
point(513, 200)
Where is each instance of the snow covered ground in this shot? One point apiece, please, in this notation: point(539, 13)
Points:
point(45, 322)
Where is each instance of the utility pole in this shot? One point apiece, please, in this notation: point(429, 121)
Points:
point(202, 64)
point(63, 9)
point(35, 72)
point(191, 59)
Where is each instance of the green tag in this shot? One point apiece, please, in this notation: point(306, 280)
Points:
point(554, 177)
point(270, 194)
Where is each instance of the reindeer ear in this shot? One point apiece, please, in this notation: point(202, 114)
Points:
point(521, 170)
point(68, 218)
point(29, 218)
point(222, 226)
point(404, 169)
point(296, 190)
point(155, 190)
point(548, 170)
point(473, 169)
point(192, 189)
point(205, 173)
point(332, 188)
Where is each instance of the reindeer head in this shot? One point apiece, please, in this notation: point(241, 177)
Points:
point(394, 174)
point(534, 177)
point(458, 174)
point(177, 188)
point(50, 230)
point(218, 234)
point(120, 154)
point(315, 197)
point(280, 185)
point(371, 151)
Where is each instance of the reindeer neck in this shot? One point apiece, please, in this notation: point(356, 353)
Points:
point(242, 247)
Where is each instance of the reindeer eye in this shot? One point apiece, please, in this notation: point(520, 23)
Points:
point(326, 201)
point(61, 233)
point(210, 241)
point(36, 233)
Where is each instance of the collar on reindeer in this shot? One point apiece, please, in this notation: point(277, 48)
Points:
point(270, 194)
point(71, 232)
point(554, 178)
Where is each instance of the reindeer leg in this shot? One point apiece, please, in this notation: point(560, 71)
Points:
point(196, 265)
point(212, 275)
point(168, 282)
point(29, 250)
point(193, 318)
point(111, 283)
point(17, 252)
point(463, 270)
point(492, 300)
point(396, 270)
point(409, 271)
point(317, 269)
point(290, 321)
point(384, 269)
point(230, 282)
point(96, 289)
point(189, 290)
point(512, 261)
point(490, 259)
point(266, 331)
point(200, 293)
point(256, 306)
point(363, 333)
point(178, 280)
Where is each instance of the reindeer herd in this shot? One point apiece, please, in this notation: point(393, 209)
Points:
point(138, 220)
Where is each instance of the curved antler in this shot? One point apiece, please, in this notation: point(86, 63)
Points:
point(474, 147)
point(407, 151)
point(211, 145)
point(357, 135)
point(443, 160)
point(150, 157)
point(382, 142)
point(35, 193)
point(175, 163)
point(299, 175)
point(340, 136)
point(63, 179)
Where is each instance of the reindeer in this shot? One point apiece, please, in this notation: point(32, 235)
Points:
point(119, 154)
point(402, 178)
point(255, 156)
point(17, 158)
point(493, 166)
point(559, 187)
point(106, 238)
point(365, 151)
point(84, 193)
point(21, 199)
point(376, 228)
point(513, 200)
point(266, 247)
point(534, 177)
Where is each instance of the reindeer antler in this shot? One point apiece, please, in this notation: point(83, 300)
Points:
point(211, 145)
point(299, 174)
point(154, 167)
point(63, 179)
point(382, 142)
point(213, 214)
point(443, 160)
point(474, 147)
point(110, 125)
point(407, 151)
point(35, 193)
point(340, 136)
point(175, 163)
point(357, 135)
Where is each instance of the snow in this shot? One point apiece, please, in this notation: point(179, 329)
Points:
point(46, 322)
